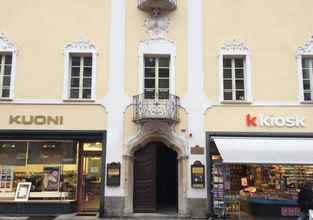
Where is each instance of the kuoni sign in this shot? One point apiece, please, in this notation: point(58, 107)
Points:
point(263, 120)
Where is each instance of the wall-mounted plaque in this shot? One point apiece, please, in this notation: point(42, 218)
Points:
point(197, 150)
point(197, 175)
point(113, 174)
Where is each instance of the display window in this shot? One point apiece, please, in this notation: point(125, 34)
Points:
point(50, 166)
point(263, 189)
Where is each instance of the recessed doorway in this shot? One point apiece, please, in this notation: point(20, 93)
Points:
point(155, 179)
point(90, 177)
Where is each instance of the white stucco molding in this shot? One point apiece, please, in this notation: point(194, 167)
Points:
point(6, 46)
point(79, 47)
point(306, 50)
point(236, 48)
point(160, 47)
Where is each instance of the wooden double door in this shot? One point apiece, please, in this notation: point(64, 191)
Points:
point(155, 178)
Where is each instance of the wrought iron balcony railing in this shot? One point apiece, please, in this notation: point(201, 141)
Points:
point(148, 5)
point(159, 108)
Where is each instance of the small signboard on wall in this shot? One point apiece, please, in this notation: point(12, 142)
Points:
point(113, 174)
point(22, 191)
point(197, 175)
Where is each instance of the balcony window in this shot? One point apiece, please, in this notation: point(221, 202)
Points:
point(156, 77)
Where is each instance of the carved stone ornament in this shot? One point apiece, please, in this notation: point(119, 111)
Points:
point(81, 45)
point(234, 47)
point(307, 49)
point(5, 44)
point(157, 25)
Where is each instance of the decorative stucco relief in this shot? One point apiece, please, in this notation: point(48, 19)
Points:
point(307, 49)
point(5, 44)
point(157, 25)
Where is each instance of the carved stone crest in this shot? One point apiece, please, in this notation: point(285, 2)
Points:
point(157, 25)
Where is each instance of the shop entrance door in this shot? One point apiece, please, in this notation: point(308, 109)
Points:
point(90, 180)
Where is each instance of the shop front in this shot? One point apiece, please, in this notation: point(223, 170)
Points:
point(257, 161)
point(51, 164)
point(258, 175)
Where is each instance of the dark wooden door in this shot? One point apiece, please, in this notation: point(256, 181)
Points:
point(145, 179)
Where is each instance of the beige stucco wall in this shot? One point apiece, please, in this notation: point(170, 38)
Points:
point(75, 117)
point(233, 118)
point(272, 30)
point(41, 29)
point(136, 32)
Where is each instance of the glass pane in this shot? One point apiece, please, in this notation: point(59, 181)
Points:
point(8, 59)
point(227, 62)
point(305, 62)
point(74, 93)
point(163, 94)
point(239, 62)
point(306, 73)
point(240, 95)
point(164, 83)
point(75, 71)
point(239, 84)
point(86, 93)
point(307, 96)
point(87, 71)
point(149, 72)
point(164, 72)
point(164, 62)
point(87, 61)
point(75, 61)
point(13, 153)
point(149, 61)
point(239, 73)
point(149, 83)
point(228, 96)
point(149, 94)
point(87, 82)
point(227, 73)
point(7, 70)
point(75, 82)
point(6, 80)
point(228, 84)
point(5, 93)
point(92, 182)
point(306, 84)
point(92, 146)
point(42, 152)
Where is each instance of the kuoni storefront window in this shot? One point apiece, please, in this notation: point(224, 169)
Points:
point(50, 167)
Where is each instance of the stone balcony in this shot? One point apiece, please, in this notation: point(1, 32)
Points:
point(149, 5)
point(159, 108)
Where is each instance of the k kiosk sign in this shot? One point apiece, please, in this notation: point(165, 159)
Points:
point(272, 121)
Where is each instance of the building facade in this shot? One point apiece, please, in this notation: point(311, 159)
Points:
point(128, 106)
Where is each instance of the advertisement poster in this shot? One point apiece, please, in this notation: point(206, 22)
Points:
point(6, 179)
point(22, 191)
point(51, 178)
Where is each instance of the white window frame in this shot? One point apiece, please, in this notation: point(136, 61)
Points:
point(7, 47)
point(235, 49)
point(80, 47)
point(157, 47)
point(304, 52)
